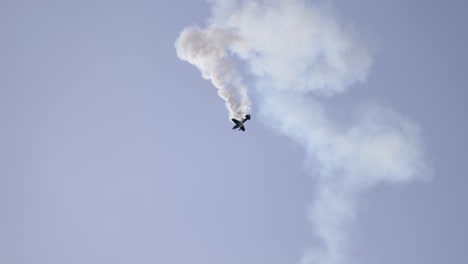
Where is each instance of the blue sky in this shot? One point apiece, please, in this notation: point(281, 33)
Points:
point(112, 150)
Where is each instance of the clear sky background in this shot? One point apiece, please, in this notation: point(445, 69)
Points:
point(112, 150)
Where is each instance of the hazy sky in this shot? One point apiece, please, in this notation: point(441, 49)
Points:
point(112, 150)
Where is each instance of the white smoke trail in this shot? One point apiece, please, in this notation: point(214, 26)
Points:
point(208, 50)
point(297, 50)
point(381, 147)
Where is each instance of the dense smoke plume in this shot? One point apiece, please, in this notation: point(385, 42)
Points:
point(208, 49)
point(299, 53)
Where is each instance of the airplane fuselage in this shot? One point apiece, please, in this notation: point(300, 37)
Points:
point(240, 124)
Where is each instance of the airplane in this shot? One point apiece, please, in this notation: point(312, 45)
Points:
point(240, 124)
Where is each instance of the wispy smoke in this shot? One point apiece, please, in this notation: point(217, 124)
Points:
point(380, 147)
point(298, 53)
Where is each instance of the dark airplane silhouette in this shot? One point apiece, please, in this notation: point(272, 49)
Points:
point(240, 124)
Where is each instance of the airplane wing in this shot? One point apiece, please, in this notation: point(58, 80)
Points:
point(242, 128)
point(237, 122)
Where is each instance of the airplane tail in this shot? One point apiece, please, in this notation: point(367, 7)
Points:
point(247, 117)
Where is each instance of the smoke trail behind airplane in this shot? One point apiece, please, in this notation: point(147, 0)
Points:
point(208, 50)
point(299, 52)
